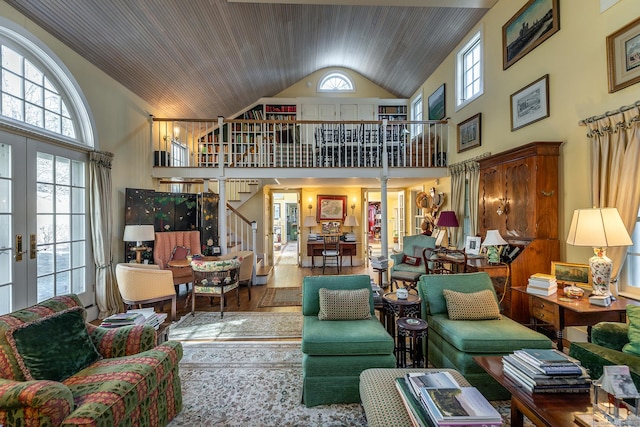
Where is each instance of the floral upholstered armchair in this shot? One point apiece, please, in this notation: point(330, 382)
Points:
point(55, 369)
point(215, 279)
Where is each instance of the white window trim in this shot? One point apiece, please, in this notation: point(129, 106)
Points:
point(58, 72)
point(340, 74)
point(460, 103)
point(417, 129)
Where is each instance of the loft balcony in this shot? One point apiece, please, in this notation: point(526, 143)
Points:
point(209, 149)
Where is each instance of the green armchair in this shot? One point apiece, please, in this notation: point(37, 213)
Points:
point(335, 352)
point(130, 381)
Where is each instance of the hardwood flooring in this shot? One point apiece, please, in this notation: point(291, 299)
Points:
point(281, 276)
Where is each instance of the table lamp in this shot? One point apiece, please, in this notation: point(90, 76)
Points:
point(600, 228)
point(492, 241)
point(139, 234)
point(447, 219)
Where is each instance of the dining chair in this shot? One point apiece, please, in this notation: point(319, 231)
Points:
point(331, 252)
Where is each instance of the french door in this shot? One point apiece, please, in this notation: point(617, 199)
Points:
point(44, 224)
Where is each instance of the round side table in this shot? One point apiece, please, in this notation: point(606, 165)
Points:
point(415, 330)
point(397, 307)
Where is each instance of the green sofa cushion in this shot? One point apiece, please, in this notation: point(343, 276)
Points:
point(341, 366)
point(345, 337)
point(633, 346)
point(54, 347)
point(500, 336)
point(593, 357)
point(613, 335)
point(431, 286)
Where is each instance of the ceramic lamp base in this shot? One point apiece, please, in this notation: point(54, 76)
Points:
point(601, 267)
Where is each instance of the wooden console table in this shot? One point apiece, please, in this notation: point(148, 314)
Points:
point(315, 248)
point(553, 310)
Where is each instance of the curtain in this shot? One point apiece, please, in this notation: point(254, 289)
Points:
point(615, 159)
point(458, 173)
point(473, 176)
point(100, 195)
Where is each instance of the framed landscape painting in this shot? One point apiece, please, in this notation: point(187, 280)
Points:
point(469, 133)
point(530, 104)
point(436, 104)
point(577, 274)
point(623, 56)
point(534, 23)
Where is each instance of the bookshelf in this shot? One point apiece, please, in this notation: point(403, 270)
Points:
point(392, 112)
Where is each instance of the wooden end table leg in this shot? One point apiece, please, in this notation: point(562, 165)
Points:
point(517, 418)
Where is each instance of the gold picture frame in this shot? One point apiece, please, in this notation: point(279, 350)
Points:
point(623, 57)
point(572, 274)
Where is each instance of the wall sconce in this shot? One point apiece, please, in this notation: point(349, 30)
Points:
point(351, 220)
point(309, 220)
point(502, 206)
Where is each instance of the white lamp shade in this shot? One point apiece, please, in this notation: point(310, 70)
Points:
point(598, 227)
point(351, 221)
point(309, 221)
point(494, 238)
point(139, 233)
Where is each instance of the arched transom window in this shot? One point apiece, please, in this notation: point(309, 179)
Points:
point(336, 82)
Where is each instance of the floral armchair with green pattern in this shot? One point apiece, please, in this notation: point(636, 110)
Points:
point(56, 369)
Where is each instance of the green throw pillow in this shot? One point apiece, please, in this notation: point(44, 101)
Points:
point(343, 304)
point(54, 347)
point(633, 316)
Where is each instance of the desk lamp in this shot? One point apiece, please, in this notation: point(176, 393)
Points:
point(447, 219)
point(492, 241)
point(139, 234)
point(600, 228)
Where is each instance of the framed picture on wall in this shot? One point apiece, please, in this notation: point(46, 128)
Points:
point(530, 104)
point(469, 133)
point(623, 56)
point(436, 104)
point(331, 208)
point(534, 23)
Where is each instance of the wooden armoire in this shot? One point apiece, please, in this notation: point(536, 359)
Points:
point(518, 196)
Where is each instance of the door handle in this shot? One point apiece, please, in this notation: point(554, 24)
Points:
point(19, 251)
point(32, 246)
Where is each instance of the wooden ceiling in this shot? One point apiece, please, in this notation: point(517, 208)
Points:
point(209, 58)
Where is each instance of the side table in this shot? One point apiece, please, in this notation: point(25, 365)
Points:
point(415, 329)
point(396, 307)
point(380, 281)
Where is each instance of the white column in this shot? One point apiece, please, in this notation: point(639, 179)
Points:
point(222, 215)
point(384, 238)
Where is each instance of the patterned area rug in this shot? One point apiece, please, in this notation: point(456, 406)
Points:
point(257, 383)
point(281, 297)
point(208, 326)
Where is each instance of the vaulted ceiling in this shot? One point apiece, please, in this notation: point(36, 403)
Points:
point(209, 58)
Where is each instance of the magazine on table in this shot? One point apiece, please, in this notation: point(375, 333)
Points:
point(418, 380)
point(546, 357)
point(459, 406)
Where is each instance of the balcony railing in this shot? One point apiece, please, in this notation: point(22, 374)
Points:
point(299, 143)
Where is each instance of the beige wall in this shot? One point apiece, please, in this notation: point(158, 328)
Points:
point(575, 59)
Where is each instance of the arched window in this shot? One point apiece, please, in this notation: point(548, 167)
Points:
point(38, 93)
point(336, 82)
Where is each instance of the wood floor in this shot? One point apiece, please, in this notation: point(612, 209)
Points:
point(281, 276)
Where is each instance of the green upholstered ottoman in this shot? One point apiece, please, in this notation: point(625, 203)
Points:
point(382, 404)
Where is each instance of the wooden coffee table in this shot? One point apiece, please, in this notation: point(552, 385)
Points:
point(543, 409)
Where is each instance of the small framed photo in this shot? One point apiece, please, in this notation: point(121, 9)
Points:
point(623, 56)
point(534, 23)
point(472, 245)
point(440, 236)
point(568, 273)
point(331, 227)
point(469, 133)
point(530, 104)
point(436, 103)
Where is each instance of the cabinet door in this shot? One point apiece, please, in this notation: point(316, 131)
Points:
point(491, 191)
point(519, 190)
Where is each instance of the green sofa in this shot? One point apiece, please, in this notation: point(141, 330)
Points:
point(454, 343)
point(55, 369)
point(335, 352)
point(605, 348)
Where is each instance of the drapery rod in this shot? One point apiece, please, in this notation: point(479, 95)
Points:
point(474, 159)
point(622, 109)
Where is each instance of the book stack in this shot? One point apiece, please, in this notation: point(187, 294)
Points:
point(151, 317)
point(436, 398)
point(546, 371)
point(379, 262)
point(123, 319)
point(542, 284)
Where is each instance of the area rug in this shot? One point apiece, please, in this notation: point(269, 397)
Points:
point(260, 384)
point(237, 325)
point(281, 297)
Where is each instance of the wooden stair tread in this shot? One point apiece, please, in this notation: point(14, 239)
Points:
point(264, 271)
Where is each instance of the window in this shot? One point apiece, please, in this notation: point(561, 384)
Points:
point(469, 72)
point(416, 115)
point(179, 154)
point(630, 272)
point(336, 82)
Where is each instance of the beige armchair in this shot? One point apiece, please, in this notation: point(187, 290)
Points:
point(145, 284)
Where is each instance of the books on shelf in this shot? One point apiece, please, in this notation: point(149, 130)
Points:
point(436, 399)
point(546, 371)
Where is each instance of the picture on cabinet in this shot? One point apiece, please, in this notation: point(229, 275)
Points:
point(436, 104)
point(623, 56)
point(469, 133)
point(574, 274)
point(530, 104)
point(534, 23)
